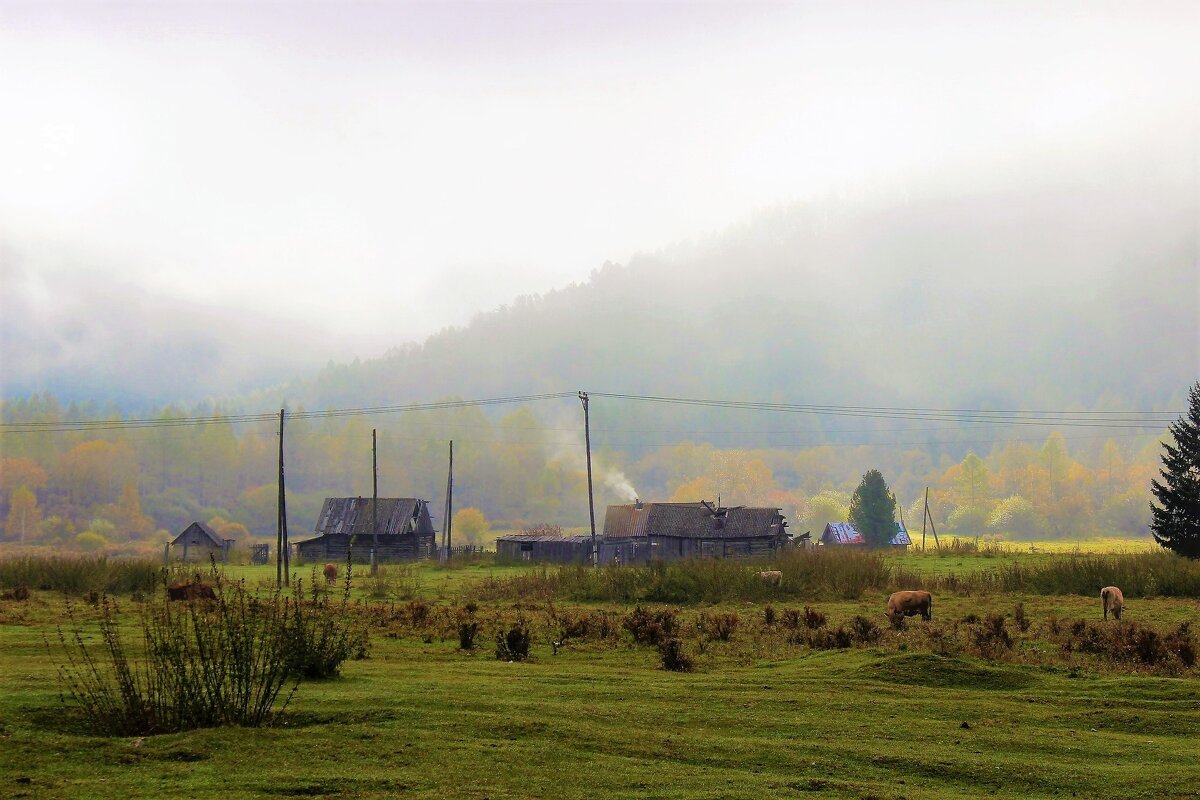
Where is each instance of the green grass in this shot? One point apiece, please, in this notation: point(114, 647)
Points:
point(426, 720)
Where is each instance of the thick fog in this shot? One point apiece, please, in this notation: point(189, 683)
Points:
point(200, 200)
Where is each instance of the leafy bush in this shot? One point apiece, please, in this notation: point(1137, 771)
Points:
point(717, 626)
point(991, 636)
point(513, 645)
point(1131, 642)
point(324, 634)
point(674, 657)
point(651, 627)
point(864, 630)
point(813, 618)
point(466, 634)
point(1020, 618)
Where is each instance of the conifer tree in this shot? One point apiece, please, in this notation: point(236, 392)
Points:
point(873, 510)
point(1176, 522)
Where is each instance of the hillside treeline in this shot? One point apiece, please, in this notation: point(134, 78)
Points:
point(113, 485)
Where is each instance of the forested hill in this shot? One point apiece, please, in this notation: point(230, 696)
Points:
point(1085, 297)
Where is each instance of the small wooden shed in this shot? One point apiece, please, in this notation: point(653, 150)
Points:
point(198, 542)
point(544, 548)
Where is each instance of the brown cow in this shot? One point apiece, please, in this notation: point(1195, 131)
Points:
point(771, 576)
point(1114, 601)
point(191, 590)
point(909, 604)
point(330, 573)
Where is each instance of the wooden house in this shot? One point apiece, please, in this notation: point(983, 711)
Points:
point(640, 532)
point(544, 548)
point(345, 528)
point(198, 542)
point(843, 533)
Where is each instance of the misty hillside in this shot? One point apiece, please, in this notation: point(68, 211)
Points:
point(854, 302)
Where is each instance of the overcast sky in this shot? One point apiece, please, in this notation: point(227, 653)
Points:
point(382, 170)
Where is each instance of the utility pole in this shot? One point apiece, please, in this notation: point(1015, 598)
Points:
point(448, 522)
point(587, 440)
point(374, 501)
point(929, 516)
point(924, 517)
point(282, 573)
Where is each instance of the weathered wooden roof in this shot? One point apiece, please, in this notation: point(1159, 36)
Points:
point(580, 538)
point(691, 520)
point(205, 533)
point(845, 533)
point(352, 516)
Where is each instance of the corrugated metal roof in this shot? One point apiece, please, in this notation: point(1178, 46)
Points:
point(690, 520)
point(352, 515)
point(841, 533)
point(845, 533)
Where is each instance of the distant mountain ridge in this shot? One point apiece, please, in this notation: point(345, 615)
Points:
point(1079, 298)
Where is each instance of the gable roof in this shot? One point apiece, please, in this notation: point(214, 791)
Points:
point(205, 533)
point(690, 520)
point(841, 533)
point(352, 515)
point(845, 533)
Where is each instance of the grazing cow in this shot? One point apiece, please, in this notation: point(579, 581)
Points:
point(330, 573)
point(909, 604)
point(191, 590)
point(771, 576)
point(1114, 601)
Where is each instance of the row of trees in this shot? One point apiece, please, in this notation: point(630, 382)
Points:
point(1175, 519)
point(520, 468)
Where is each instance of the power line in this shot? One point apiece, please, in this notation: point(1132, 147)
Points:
point(1137, 420)
point(62, 426)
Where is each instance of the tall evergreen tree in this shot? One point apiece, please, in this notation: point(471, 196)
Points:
point(873, 510)
point(1176, 522)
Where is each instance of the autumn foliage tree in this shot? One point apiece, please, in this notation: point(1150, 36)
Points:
point(24, 516)
point(1176, 516)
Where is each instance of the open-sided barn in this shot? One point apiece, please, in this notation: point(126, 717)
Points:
point(843, 533)
point(544, 547)
point(347, 523)
point(638, 532)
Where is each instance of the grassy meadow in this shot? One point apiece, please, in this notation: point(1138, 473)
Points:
point(940, 709)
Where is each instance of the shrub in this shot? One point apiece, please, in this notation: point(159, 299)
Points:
point(1181, 643)
point(674, 657)
point(991, 637)
point(513, 645)
point(791, 619)
point(210, 664)
point(466, 634)
point(1020, 618)
point(416, 613)
point(769, 616)
point(651, 627)
point(323, 634)
point(864, 630)
point(717, 626)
